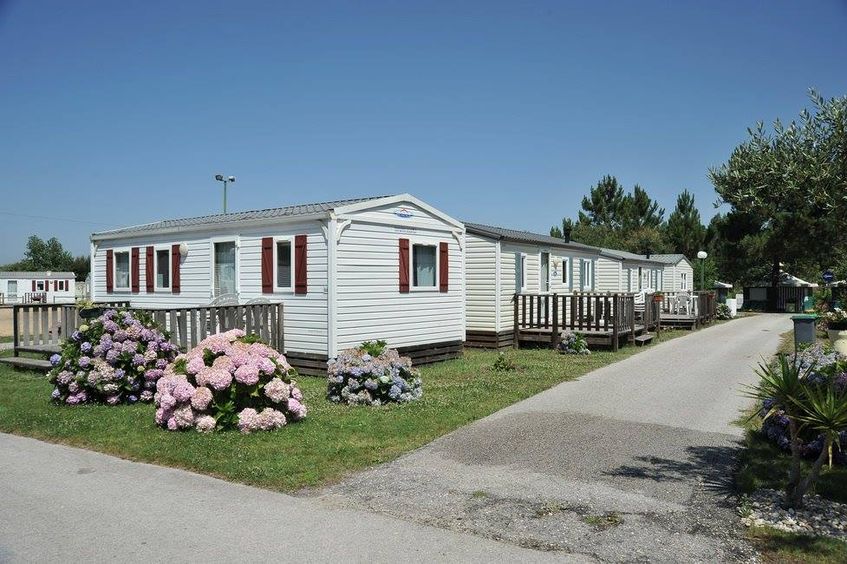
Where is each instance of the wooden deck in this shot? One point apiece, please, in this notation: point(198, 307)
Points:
point(605, 319)
point(679, 321)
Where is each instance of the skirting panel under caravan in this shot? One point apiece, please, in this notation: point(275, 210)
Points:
point(315, 364)
point(490, 339)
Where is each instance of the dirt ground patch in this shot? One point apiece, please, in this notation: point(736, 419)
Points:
point(6, 321)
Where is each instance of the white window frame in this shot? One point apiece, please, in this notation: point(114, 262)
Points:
point(156, 268)
point(39, 286)
point(290, 240)
point(412, 286)
point(683, 281)
point(549, 265)
point(228, 239)
point(115, 253)
point(586, 274)
point(522, 266)
point(567, 275)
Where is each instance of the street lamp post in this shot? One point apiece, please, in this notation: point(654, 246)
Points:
point(225, 180)
point(702, 256)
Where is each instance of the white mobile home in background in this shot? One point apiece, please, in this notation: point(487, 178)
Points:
point(678, 273)
point(37, 287)
point(347, 271)
point(622, 271)
point(501, 262)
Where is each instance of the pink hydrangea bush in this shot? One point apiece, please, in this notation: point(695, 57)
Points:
point(228, 381)
point(116, 358)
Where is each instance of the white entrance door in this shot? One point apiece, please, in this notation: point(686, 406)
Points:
point(12, 291)
point(545, 273)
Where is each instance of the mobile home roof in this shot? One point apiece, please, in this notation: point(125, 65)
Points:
point(517, 236)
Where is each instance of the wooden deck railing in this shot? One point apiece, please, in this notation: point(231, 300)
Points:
point(610, 314)
point(34, 298)
point(2, 298)
point(43, 326)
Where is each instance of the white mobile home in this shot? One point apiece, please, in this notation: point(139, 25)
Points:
point(622, 271)
point(502, 262)
point(678, 273)
point(37, 287)
point(347, 271)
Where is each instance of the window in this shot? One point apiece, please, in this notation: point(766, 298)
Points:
point(683, 281)
point(283, 262)
point(39, 286)
point(566, 271)
point(122, 270)
point(520, 264)
point(423, 266)
point(163, 269)
point(586, 274)
point(223, 271)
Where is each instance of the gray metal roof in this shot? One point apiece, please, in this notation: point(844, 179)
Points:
point(626, 255)
point(669, 258)
point(218, 219)
point(20, 274)
point(524, 237)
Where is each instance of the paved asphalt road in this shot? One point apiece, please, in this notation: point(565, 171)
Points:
point(630, 463)
point(633, 462)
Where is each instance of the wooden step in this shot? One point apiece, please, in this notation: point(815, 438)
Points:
point(644, 339)
point(46, 350)
point(24, 363)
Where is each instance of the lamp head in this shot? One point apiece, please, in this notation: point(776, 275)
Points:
point(702, 255)
point(231, 179)
point(219, 177)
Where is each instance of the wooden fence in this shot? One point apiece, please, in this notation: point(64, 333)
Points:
point(602, 317)
point(34, 298)
point(41, 327)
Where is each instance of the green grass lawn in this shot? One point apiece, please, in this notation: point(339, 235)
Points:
point(763, 465)
point(333, 441)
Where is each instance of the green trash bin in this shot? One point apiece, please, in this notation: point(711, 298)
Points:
point(804, 330)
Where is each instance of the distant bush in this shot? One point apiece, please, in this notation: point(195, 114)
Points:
point(503, 364)
point(573, 343)
point(723, 312)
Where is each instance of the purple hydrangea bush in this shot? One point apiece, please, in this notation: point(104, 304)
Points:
point(573, 343)
point(826, 368)
point(228, 381)
point(372, 375)
point(115, 358)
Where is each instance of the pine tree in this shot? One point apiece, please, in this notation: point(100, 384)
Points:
point(685, 231)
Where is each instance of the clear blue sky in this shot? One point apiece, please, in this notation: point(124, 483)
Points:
point(119, 113)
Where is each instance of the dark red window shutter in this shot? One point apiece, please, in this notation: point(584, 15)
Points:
point(443, 267)
point(300, 266)
point(267, 265)
point(134, 268)
point(33, 285)
point(149, 272)
point(110, 270)
point(175, 269)
point(67, 285)
point(404, 265)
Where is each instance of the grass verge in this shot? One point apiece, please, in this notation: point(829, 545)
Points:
point(333, 441)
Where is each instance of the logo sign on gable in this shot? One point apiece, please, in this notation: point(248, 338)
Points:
point(403, 213)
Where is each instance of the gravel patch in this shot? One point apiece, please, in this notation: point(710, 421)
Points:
point(819, 516)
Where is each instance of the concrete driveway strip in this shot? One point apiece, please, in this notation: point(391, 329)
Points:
point(633, 462)
point(60, 504)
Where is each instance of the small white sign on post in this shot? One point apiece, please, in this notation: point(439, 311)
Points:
point(732, 304)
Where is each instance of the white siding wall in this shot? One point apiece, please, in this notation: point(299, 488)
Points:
point(684, 267)
point(480, 280)
point(369, 302)
point(305, 315)
point(670, 279)
point(609, 276)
